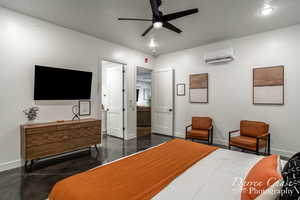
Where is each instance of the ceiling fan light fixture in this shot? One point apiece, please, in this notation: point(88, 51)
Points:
point(157, 25)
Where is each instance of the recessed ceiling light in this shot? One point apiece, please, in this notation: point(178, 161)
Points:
point(267, 11)
point(157, 25)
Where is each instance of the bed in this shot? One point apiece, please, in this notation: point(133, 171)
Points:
point(217, 175)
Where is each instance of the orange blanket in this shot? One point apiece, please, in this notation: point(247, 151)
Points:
point(137, 177)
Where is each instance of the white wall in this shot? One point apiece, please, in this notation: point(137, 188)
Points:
point(26, 41)
point(230, 86)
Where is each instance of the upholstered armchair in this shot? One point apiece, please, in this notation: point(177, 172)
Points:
point(253, 137)
point(201, 129)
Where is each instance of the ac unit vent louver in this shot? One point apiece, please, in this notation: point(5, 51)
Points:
point(219, 56)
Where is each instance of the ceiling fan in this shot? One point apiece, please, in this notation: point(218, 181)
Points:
point(160, 20)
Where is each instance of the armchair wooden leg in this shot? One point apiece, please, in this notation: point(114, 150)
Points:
point(229, 147)
point(266, 149)
point(257, 146)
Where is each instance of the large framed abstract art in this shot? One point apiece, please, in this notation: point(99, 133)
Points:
point(199, 88)
point(268, 85)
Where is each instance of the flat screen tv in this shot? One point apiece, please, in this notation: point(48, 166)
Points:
point(61, 84)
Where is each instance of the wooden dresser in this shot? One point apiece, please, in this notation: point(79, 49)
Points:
point(143, 121)
point(48, 139)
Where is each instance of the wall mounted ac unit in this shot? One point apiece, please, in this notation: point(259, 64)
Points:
point(219, 56)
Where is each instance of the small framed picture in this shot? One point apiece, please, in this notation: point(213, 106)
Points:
point(180, 89)
point(84, 108)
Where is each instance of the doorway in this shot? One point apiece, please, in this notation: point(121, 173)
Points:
point(163, 101)
point(112, 95)
point(143, 101)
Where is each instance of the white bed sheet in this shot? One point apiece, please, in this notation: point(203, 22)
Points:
point(212, 178)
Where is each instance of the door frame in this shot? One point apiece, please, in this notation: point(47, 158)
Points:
point(134, 95)
point(124, 69)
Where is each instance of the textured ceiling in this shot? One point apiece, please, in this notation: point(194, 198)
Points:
point(218, 19)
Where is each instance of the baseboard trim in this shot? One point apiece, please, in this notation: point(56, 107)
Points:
point(220, 142)
point(282, 152)
point(179, 135)
point(130, 136)
point(273, 150)
point(10, 165)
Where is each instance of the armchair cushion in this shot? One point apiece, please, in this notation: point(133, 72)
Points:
point(247, 142)
point(253, 129)
point(201, 123)
point(197, 134)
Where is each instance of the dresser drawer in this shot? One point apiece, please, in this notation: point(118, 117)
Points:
point(68, 126)
point(41, 130)
point(37, 152)
point(46, 138)
point(91, 124)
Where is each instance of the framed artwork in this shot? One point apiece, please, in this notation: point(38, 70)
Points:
point(180, 89)
point(268, 86)
point(84, 108)
point(199, 88)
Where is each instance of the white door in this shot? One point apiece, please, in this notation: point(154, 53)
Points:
point(115, 101)
point(162, 101)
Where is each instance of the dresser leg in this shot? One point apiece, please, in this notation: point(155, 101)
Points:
point(28, 166)
point(97, 150)
point(31, 163)
point(25, 166)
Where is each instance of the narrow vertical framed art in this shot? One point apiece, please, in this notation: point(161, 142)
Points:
point(199, 88)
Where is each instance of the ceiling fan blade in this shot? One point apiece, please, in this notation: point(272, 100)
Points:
point(177, 15)
point(147, 31)
point(155, 7)
point(171, 27)
point(134, 19)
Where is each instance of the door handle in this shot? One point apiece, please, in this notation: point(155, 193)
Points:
point(170, 110)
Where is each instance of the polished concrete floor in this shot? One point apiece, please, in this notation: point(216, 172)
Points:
point(15, 184)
